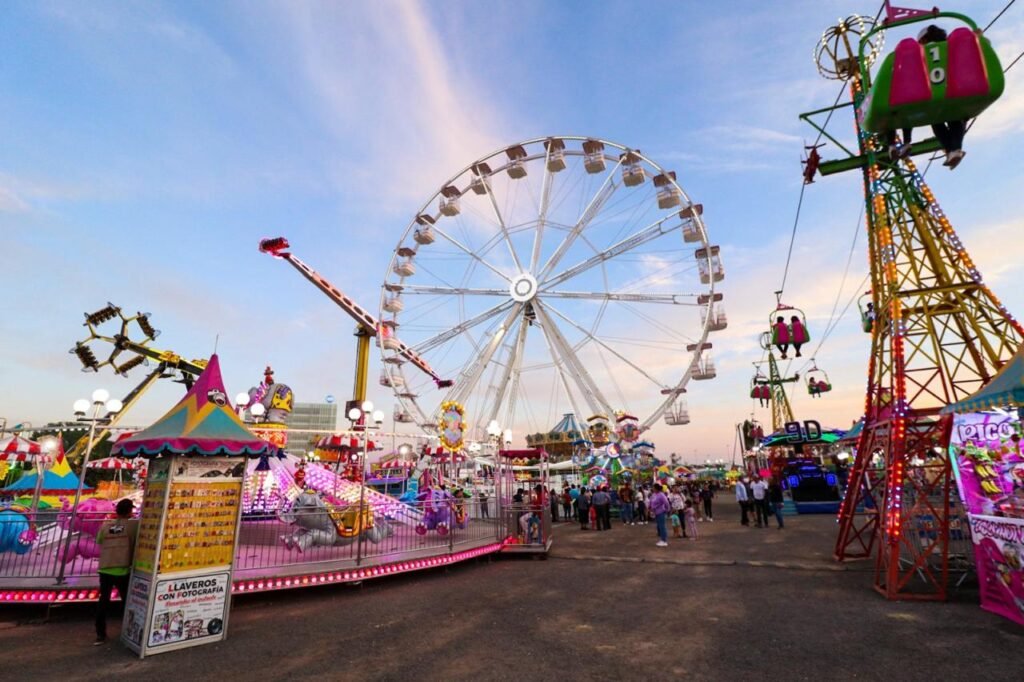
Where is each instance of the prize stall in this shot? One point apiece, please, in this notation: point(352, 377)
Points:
point(180, 590)
point(985, 451)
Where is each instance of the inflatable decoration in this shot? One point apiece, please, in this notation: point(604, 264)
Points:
point(17, 531)
point(88, 518)
point(323, 524)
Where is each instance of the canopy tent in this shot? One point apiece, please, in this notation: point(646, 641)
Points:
point(112, 463)
point(57, 481)
point(14, 445)
point(202, 423)
point(1006, 389)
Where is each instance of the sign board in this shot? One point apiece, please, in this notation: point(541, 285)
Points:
point(180, 590)
point(985, 448)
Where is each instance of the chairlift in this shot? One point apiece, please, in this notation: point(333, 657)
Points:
point(933, 79)
point(867, 312)
point(817, 381)
point(787, 331)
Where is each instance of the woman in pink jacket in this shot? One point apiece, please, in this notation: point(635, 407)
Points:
point(659, 507)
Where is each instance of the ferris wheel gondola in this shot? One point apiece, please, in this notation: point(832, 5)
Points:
point(554, 270)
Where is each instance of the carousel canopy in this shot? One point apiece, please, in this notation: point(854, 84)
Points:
point(1005, 390)
point(202, 423)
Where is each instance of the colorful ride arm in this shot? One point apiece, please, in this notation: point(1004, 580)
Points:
point(277, 247)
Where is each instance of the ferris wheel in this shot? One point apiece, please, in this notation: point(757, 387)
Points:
point(559, 275)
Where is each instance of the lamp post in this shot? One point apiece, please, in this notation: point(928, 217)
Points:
point(101, 400)
point(361, 416)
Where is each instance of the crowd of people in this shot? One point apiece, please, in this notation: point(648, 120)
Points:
point(679, 507)
point(761, 499)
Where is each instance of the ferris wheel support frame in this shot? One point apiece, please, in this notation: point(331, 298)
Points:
point(940, 334)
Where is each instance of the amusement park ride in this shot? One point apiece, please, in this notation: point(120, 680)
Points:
point(169, 363)
point(938, 332)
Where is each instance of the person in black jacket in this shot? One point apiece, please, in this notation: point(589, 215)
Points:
point(777, 500)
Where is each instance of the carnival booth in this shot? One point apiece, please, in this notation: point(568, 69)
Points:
point(522, 480)
point(985, 451)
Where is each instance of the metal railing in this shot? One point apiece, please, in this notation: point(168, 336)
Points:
point(283, 544)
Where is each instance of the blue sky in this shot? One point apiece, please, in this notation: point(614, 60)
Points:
point(149, 146)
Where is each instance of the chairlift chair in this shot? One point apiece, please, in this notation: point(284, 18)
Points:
point(867, 312)
point(817, 381)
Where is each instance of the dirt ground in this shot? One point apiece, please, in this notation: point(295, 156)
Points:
point(737, 604)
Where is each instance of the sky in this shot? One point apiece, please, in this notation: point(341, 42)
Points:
point(149, 146)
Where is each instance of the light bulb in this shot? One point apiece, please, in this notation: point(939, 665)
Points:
point(354, 414)
point(378, 416)
point(258, 410)
point(81, 406)
point(367, 406)
point(114, 406)
point(242, 399)
point(100, 395)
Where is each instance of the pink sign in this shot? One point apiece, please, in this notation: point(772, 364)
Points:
point(999, 554)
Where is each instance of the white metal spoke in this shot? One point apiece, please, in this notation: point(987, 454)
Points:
point(674, 299)
point(604, 345)
point(437, 340)
point(602, 195)
point(555, 358)
point(502, 226)
point(649, 233)
point(591, 393)
point(471, 254)
point(468, 379)
point(514, 361)
point(452, 291)
point(542, 213)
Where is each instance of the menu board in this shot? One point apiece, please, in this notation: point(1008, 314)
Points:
point(199, 529)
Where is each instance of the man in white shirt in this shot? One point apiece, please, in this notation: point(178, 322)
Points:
point(760, 492)
point(741, 499)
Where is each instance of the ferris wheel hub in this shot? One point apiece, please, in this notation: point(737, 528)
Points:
point(523, 287)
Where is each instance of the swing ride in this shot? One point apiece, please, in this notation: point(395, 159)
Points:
point(938, 332)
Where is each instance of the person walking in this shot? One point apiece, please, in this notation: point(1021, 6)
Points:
point(743, 501)
point(566, 504)
point(777, 500)
point(677, 503)
point(660, 507)
point(583, 508)
point(760, 494)
point(706, 496)
point(626, 505)
point(602, 506)
point(116, 539)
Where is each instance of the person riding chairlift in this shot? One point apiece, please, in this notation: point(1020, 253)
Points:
point(949, 134)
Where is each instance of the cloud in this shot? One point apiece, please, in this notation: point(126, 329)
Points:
point(403, 116)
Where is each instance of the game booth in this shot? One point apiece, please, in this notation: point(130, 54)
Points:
point(985, 451)
point(300, 523)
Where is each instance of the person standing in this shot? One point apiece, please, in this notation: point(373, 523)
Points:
point(759, 489)
point(553, 499)
point(485, 512)
point(116, 539)
point(742, 500)
point(690, 516)
point(583, 508)
point(641, 506)
point(626, 505)
point(676, 504)
point(602, 502)
point(660, 507)
point(777, 500)
point(706, 496)
point(574, 493)
point(566, 504)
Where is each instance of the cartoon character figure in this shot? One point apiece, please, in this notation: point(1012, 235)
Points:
point(17, 529)
point(88, 518)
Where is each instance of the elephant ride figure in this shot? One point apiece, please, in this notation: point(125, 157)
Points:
point(439, 512)
point(17, 529)
point(85, 521)
point(322, 524)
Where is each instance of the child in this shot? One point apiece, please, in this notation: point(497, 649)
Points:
point(691, 520)
point(677, 526)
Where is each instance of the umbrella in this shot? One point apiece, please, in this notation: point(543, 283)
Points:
point(16, 445)
point(14, 457)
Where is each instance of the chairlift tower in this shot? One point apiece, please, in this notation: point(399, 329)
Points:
point(782, 412)
point(939, 335)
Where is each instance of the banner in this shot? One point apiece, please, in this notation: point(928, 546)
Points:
point(191, 608)
point(989, 467)
point(999, 553)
